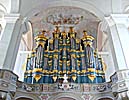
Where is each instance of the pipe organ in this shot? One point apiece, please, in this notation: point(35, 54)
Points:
point(64, 58)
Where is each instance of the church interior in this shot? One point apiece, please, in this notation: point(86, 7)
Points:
point(64, 50)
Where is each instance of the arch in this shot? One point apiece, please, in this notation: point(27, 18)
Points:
point(20, 97)
point(31, 96)
point(65, 98)
point(66, 95)
point(108, 96)
point(105, 98)
point(24, 98)
point(3, 8)
point(126, 10)
point(72, 3)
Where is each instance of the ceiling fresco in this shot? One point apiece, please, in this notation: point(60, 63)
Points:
point(64, 17)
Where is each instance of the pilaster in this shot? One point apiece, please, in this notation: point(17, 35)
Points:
point(119, 35)
point(121, 21)
point(10, 39)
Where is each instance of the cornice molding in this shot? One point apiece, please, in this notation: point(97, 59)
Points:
point(11, 18)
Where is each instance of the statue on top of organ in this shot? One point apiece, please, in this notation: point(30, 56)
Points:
point(64, 56)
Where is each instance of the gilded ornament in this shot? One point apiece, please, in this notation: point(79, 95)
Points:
point(74, 77)
point(91, 77)
point(37, 77)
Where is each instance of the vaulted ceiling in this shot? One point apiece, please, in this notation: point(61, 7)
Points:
point(36, 11)
point(88, 22)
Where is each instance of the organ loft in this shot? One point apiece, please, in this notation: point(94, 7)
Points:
point(64, 58)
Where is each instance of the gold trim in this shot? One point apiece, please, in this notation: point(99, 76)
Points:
point(51, 41)
point(77, 41)
point(60, 72)
point(37, 70)
point(71, 29)
point(41, 36)
point(74, 77)
point(40, 43)
point(56, 56)
point(54, 78)
point(99, 71)
point(37, 77)
point(91, 69)
point(91, 77)
point(78, 72)
point(55, 71)
point(64, 71)
point(83, 71)
point(73, 70)
point(29, 71)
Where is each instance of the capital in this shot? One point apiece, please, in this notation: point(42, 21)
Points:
point(11, 18)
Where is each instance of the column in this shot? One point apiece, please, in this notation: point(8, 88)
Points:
point(119, 35)
point(123, 36)
point(9, 43)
